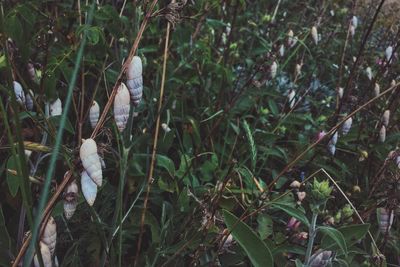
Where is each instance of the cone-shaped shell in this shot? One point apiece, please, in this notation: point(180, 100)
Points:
point(368, 71)
point(56, 107)
point(388, 52)
point(91, 160)
point(386, 117)
point(94, 114)
point(354, 21)
point(347, 126)
point(29, 100)
point(291, 99)
point(382, 134)
point(46, 256)
point(377, 89)
point(89, 188)
point(273, 69)
point(282, 50)
point(50, 235)
point(135, 68)
point(290, 40)
point(19, 93)
point(70, 199)
point(334, 138)
point(135, 87)
point(385, 219)
point(332, 149)
point(314, 34)
point(121, 107)
point(340, 92)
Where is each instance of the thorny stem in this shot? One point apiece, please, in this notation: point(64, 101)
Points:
point(311, 237)
point(153, 155)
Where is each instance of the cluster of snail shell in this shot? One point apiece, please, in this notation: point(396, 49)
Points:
point(47, 244)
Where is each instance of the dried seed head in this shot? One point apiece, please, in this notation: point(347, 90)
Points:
point(46, 256)
point(385, 219)
point(368, 71)
point(135, 80)
point(121, 107)
point(91, 160)
point(386, 117)
point(29, 100)
point(282, 50)
point(50, 235)
point(314, 34)
point(291, 98)
point(389, 53)
point(340, 91)
point(94, 114)
point(89, 188)
point(70, 199)
point(382, 134)
point(56, 108)
point(347, 126)
point(19, 93)
point(377, 89)
point(273, 69)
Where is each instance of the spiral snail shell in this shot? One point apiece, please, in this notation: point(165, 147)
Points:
point(121, 107)
point(56, 107)
point(382, 134)
point(50, 235)
point(46, 256)
point(135, 80)
point(273, 69)
point(89, 188)
point(377, 89)
point(29, 100)
point(368, 71)
point(94, 114)
point(314, 34)
point(91, 160)
point(19, 93)
point(70, 199)
point(347, 126)
point(389, 52)
point(386, 117)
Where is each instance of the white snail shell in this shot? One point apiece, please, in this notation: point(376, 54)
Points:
point(135, 80)
point(298, 70)
point(46, 256)
point(282, 50)
point(70, 199)
point(273, 69)
point(19, 93)
point(347, 126)
point(385, 219)
point(369, 73)
point(388, 52)
point(382, 134)
point(314, 34)
point(340, 91)
point(29, 100)
point(321, 258)
point(290, 40)
point(165, 127)
point(94, 114)
point(354, 21)
point(386, 117)
point(332, 149)
point(377, 89)
point(91, 160)
point(89, 188)
point(121, 107)
point(291, 99)
point(56, 107)
point(352, 30)
point(50, 235)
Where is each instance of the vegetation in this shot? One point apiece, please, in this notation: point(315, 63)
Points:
point(266, 134)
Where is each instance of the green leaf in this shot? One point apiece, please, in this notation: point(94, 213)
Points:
point(352, 234)
point(336, 236)
point(255, 248)
point(296, 213)
point(264, 225)
point(13, 181)
point(166, 163)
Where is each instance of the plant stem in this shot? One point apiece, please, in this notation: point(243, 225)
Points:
point(311, 236)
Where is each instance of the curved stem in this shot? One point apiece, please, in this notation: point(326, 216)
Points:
point(311, 237)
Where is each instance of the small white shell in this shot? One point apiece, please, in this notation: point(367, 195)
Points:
point(273, 69)
point(298, 70)
point(28, 153)
point(352, 30)
point(121, 107)
point(70, 199)
point(19, 93)
point(46, 256)
point(368, 71)
point(385, 219)
point(134, 68)
point(334, 138)
point(89, 188)
point(91, 160)
point(321, 258)
point(314, 34)
point(354, 21)
point(382, 134)
point(50, 235)
point(282, 50)
point(347, 126)
point(291, 99)
point(332, 149)
point(389, 53)
point(165, 127)
point(56, 107)
point(386, 117)
point(29, 100)
point(135, 80)
point(377, 89)
point(94, 114)
point(290, 40)
point(340, 91)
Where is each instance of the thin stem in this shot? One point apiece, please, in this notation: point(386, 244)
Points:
point(311, 237)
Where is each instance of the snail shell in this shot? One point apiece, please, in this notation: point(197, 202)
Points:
point(298, 70)
point(273, 69)
point(332, 149)
point(56, 107)
point(314, 34)
point(340, 92)
point(50, 235)
point(352, 30)
point(121, 107)
point(382, 134)
point(354, 21)
point(386, 117)
point(368, 71)
point(282, 50)
point(385, 219)
point(388, 52)
point(94, 113)
point(291, 96)
point(91, 160)
point(89, 188)
point(377, 89)
point(321, 258)
point(347, 126)
point(46, 256)
point(135, 80)
point(70, 199)
point(290, 40)
point(19, 93)
point(29, 100)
